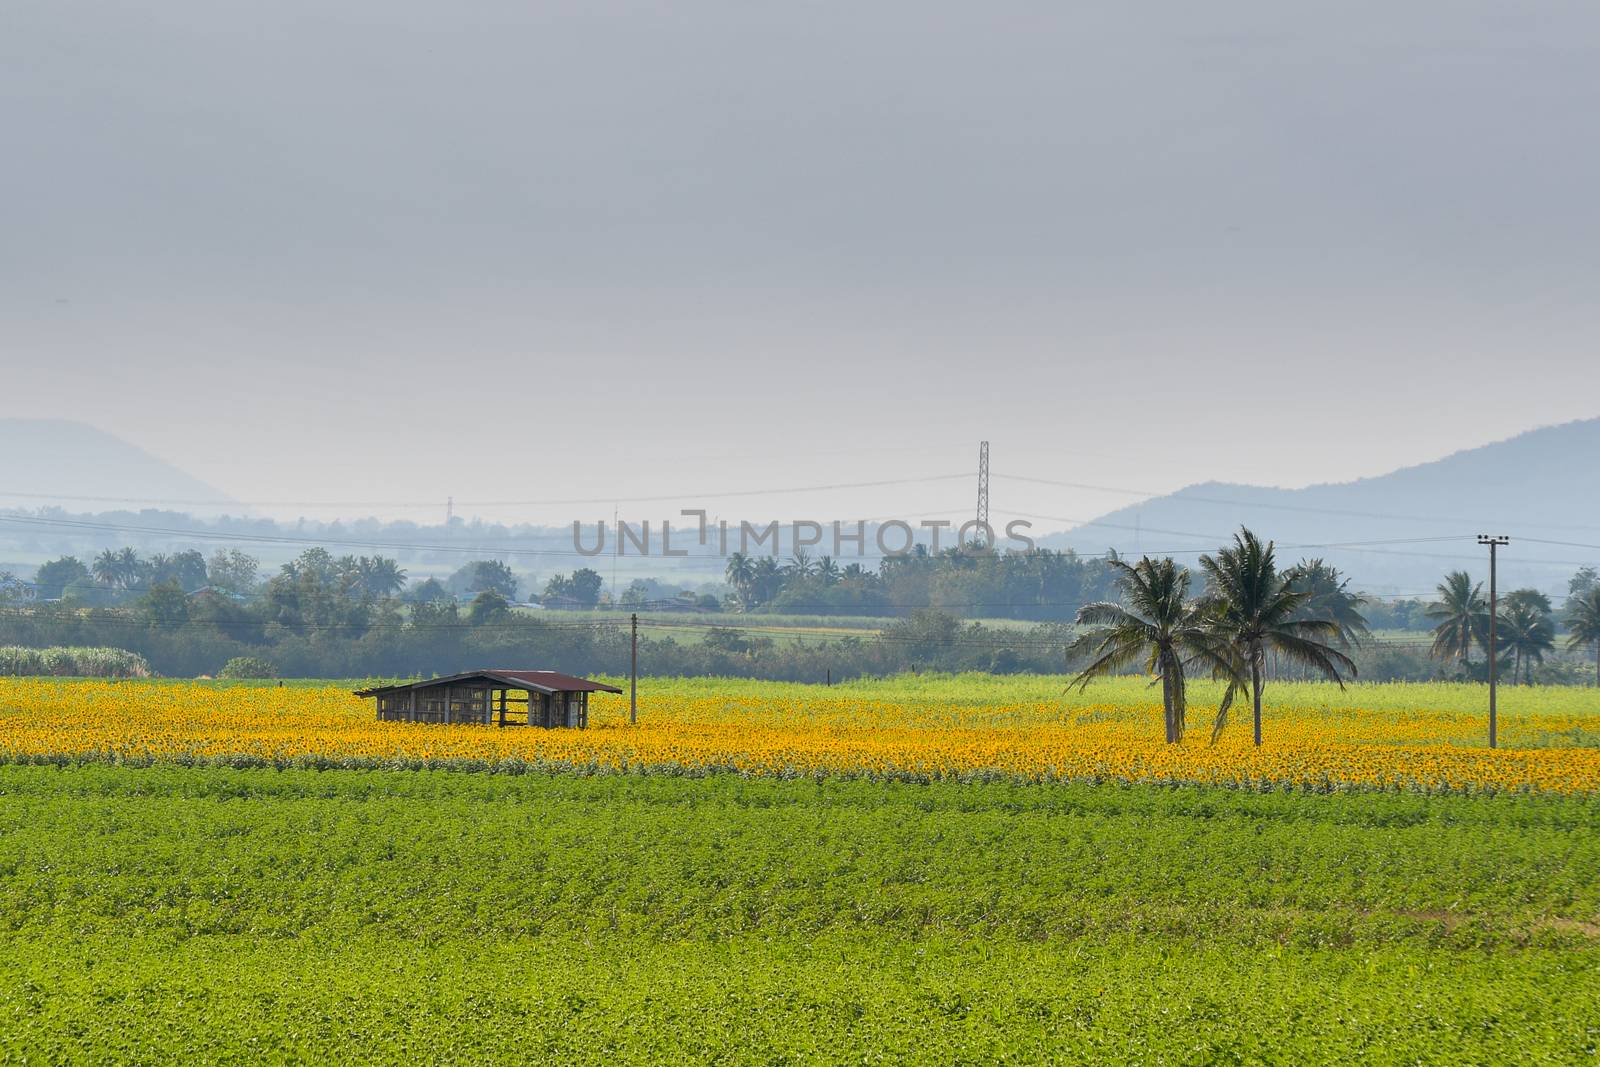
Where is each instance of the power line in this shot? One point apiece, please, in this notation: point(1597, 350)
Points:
point(481, 548)
point(548, 502)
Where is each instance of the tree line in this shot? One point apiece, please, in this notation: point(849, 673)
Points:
point(339, 616)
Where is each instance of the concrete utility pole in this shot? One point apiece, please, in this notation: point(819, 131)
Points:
point(1494, 542)
point(633, 674)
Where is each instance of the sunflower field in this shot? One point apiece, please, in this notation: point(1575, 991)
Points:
point(1427, 738)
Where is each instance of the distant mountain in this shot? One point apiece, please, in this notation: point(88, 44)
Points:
point(1539, 487)
point(46, 462)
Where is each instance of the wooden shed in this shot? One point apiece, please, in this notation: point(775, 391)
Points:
point(491, 698)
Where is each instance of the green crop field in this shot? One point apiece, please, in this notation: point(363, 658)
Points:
point(183, 915)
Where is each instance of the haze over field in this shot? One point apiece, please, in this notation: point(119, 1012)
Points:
point(1394, 533)
point(641, 249)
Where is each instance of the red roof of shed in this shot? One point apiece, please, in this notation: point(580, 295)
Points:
point(566, 683)
point(547, 681)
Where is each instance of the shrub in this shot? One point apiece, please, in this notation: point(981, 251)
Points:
point(247, 667)
point(63, 662)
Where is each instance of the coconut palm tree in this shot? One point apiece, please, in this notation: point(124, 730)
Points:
point(1525, 634)
point(1252, 608)
point(105, 567)
point(766, 580)
point(740, 573)
point(380, 576)
point(1583, 624)
point(828, 570)
point(1155, 624)
point(1530, 598)
point(1330, 598)
point(1463, 618)
point(128, 568)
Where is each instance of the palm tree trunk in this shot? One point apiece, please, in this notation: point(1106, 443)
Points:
point(1255, 688)
point(1180, 705)
point(1166, 697)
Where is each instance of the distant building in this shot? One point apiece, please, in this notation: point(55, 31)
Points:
point(491, 698)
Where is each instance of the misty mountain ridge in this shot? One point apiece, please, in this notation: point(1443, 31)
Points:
point(50, 461)
point(1537, 487)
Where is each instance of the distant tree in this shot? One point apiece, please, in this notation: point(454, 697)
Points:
point(1526, 634)
point(584, 586)
point(316, 562)
point(432, 615)
point(725, 639)
point(1328, 596)
point(12, 588)
point(52, 578)
point(248, 667)
point(828, 572)
point(492, 575)
point(121, 569)
point(88, 592)
point(1461, 618)
point(128, 568)
point(1154, 626)
point(767, 580)
point(188, 570)
point(1252, 608)
point(165, 606)
point(1583, 624)
point(431, 591)
point(488, 607)
point(105, 568)
point(380, 577)
point(232, 570)
point(741, 574)
point(801, 565)
point(1586, 579)
point(314, 593)
point(925, 636)
point(1527, 598)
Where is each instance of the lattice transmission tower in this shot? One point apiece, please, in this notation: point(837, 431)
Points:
point(981, 537)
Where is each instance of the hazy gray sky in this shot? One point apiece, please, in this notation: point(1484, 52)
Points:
point(640, 248)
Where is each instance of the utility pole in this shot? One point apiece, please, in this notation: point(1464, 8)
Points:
point(983, 496)
point(633, 674)
point(1494, 542)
